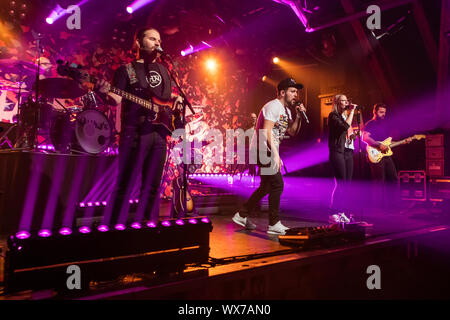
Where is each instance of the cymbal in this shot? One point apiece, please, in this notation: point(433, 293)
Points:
point(12, 86)
point(60, 88)
point(19, 67)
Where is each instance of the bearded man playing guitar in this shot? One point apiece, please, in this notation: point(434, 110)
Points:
point(142, 145)
point(383, 172)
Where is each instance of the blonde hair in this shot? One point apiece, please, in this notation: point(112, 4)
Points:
point(336, 101)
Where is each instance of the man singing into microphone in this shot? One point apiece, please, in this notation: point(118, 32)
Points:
point(142, 147)
point(274, 120)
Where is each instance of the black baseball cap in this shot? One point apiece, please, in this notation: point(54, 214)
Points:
point(287, 83)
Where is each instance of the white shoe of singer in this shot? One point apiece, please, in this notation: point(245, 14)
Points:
point(277, 228)
point(344, 218)
point(335, 218)
point(243, 222)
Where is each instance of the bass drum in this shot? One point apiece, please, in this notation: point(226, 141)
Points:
point(88, 131)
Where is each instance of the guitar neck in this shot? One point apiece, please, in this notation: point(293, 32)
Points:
point(395, 144)
point(140, 101)
point(133, 98)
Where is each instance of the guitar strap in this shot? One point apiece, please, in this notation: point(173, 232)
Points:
point(131, 73)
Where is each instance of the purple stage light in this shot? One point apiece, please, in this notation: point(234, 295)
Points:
point(136, 225)
point(119, 227)
point(84, 229)
point(97, 203)
point(82, 204)
point(151, 224)
point(166, 223)
point(49, 20)
point(22, 235)
point(179, 222)
point(205, 220)
point(137, 4)
point(103, 228)
point(89, 204)
point(65, 231)
point(104, 203)
point(192, 221)
point(44, 233)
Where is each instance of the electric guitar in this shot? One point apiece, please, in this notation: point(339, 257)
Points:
point(161, 111)
point(375, 155)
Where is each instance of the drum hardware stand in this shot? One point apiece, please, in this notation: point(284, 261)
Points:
point(22, 134)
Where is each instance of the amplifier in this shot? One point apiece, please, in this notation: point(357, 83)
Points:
point(435, 168)
point(439, 189)
point(434, 140)
point(413, 185)
point(435, 153)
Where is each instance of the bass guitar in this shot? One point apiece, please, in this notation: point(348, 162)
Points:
point(161, 111)
point(375, 155)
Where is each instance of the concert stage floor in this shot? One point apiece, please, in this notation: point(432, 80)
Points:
point(254, 265)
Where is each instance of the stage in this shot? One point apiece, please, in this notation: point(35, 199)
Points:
point(254, 265)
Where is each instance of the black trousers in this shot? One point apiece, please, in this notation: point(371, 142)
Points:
point(342, 164)
point(273, 186)
point(143, 156)
point(384, 175)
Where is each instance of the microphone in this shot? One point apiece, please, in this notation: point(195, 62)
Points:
point(303, 113)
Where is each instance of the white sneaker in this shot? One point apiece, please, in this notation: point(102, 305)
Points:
point(344, 218)
point(335, 218)
point(243, 222)
point(277, 228)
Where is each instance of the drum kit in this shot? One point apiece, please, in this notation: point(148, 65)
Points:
point(49, 117)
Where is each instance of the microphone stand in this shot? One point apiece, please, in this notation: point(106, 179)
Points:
point(183, 120)
point(358, 120)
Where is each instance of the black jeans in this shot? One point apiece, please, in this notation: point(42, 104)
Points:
point(384, 175)
point(272, 185)
point(146, 155)
point(342, 164)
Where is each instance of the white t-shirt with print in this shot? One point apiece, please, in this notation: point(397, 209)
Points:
point(276, 112)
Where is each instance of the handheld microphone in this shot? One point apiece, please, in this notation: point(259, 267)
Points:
point(303, 113)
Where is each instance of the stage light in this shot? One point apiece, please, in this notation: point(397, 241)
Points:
point(103, 228)
point(136, 225)
point(84, 229)
point(119, 227)
point(211, 65)
point(264, 78)
point(205, 220)
point(44, 233)
point(151, 224)
point(276, 60)
point(22, 235)
point(65, 231)
point(166, 223)
point(137, 4)
point(192, 221)
point(49, 20)
point(179, 222)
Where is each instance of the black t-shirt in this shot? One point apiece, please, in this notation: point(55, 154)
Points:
point(152, 80)
point(378, 129)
